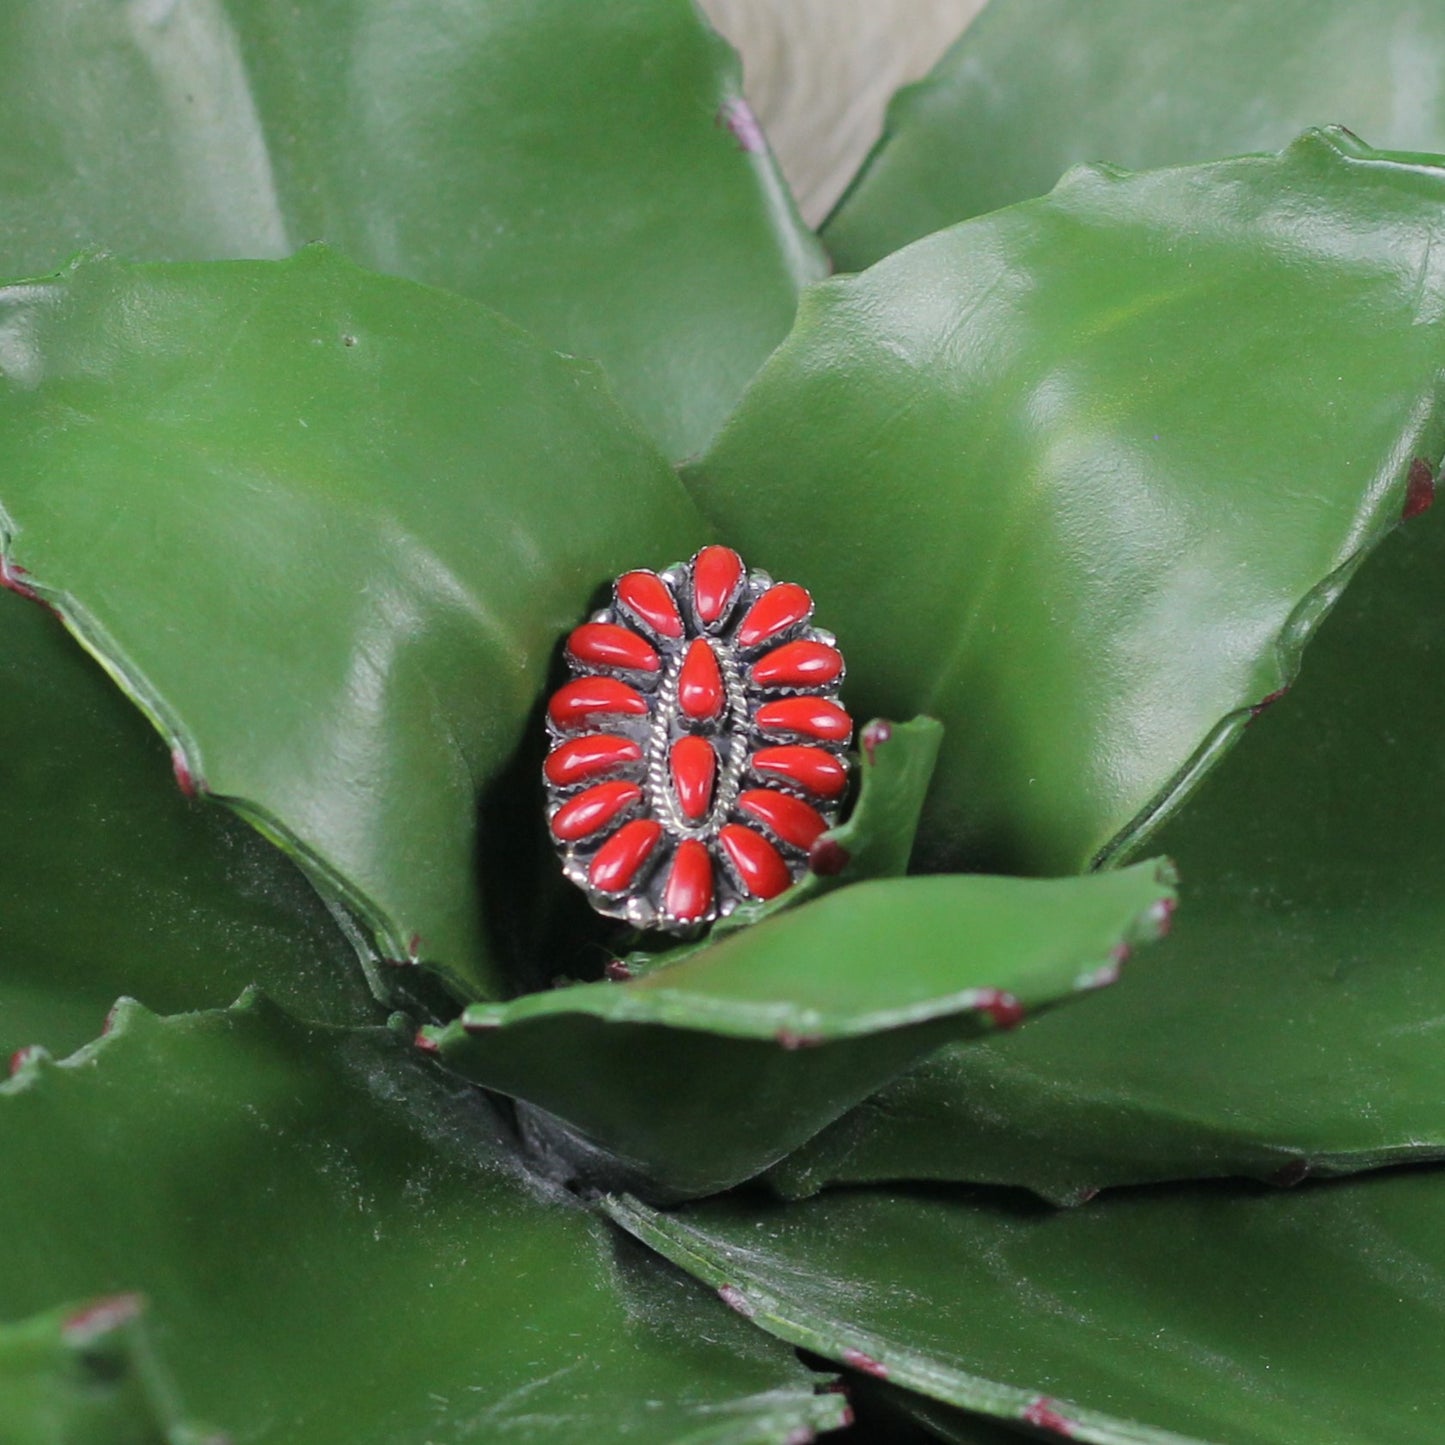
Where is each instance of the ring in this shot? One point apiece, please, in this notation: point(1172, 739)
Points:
point(699, 749)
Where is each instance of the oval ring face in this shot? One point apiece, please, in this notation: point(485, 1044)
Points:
point(700, 749)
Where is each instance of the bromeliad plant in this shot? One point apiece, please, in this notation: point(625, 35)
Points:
point(1074, 481)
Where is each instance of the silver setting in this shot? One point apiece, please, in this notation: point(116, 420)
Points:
point(734, 734)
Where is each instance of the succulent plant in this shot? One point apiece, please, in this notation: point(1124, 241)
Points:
point(363, 345)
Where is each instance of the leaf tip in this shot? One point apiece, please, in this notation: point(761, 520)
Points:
point(1043, 1414)
point(101, 1317)
point(865, 1364)
point(793, 1039)
point(736, 116)
point(1293, 1172)
point(1267, 701)
point(1158, 918)
point(1106, 974)
point(29, 1055)
point(736, 1300)
point(874, 736)
point(1419, 489)
point(186, 779)
point(1004, 1010)
point(828, 857)
point(12, 578)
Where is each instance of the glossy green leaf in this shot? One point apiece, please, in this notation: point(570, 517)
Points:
point(1036, 86)
point(590, 171)
point(696, 1076)
point(85, 1374)
point(336, 554)
point(112, 882)
point(1289, 1026)
point(340, 1246)
point(1094, 468)
point(1166, 1315)
point(894, 764)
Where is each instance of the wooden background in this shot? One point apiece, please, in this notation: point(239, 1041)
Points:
point(819, 74)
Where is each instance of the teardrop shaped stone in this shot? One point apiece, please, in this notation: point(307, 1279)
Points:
point(811, 769)
point(694, 774)
point(688, 895)
point(759, 865)
point(592, 811)
point(623, 854)
point(798, 664)
point(700, 691)
point(813, 717)
point(585, 699)
point(645, 595)
point(717, 577)
point(606, 644)
point(589, 756)
point(789, 818)
point(779, 608)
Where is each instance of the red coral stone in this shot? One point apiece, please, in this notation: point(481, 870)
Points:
point(798, 664)
point(645, 595)
point(700, 691)
point(605, 644)
point(584, 699)
point(814, 717)
point(717, 574)
point(590, 812)
point(618, 859)
point(778, 609)
point(760, 866)
point(578, 759)
point(811, 769)
point(694, 772)
point(793, 820)
point(688, 894)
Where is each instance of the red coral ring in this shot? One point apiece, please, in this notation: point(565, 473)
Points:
point(700, 748)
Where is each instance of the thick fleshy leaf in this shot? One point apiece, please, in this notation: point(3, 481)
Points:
point(85, 1374)
point(696, 1076)
point(1055, 479)
point(1165, 1315)
point(339, 1246)
point(590, 171)
point(346, 519)
point(112, 882)
point(1290, 1024)
point(895, 762)
point(1036, 86)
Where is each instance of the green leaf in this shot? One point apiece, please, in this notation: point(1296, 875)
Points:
point(113, 882)
point(85, 1374)
point(696, 1076)
point(1081, 477)
point(340, 1247)
point(335, 555)
point(1036, 86)
point(1165, 1315)
point(1289, 1025)
point(592, 172)
point(875, 840)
